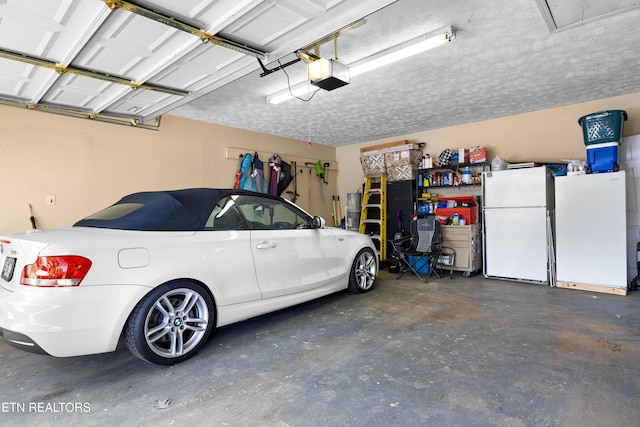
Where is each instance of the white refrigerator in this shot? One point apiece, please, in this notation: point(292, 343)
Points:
point(517, 211)
point(591, 230)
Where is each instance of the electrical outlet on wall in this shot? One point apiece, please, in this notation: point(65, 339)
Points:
point(51, 199)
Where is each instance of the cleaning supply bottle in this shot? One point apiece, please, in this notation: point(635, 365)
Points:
point(497, 164)
point(466, 176)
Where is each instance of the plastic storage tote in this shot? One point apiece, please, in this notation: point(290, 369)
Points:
point(603, 157)
point(465, 206)
point(603, 126)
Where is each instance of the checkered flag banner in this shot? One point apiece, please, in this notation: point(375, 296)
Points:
point(443, 158)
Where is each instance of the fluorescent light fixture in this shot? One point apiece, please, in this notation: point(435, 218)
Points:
point(377, 60)
point(402, 51)
point(300, 90)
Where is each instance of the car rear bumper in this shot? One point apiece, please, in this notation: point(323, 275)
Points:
point(66, 322)
point(20, 341)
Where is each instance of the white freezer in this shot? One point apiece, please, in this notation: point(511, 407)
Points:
point(516, 244)
point(591, 229)
point(514, 188)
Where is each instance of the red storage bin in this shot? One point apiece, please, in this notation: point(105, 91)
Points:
point(467, 208)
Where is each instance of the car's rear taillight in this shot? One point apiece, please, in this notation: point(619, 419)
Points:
point(54, 271)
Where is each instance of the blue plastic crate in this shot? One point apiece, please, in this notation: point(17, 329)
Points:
point(421, 265)
point(603, 126)
point(603, 157)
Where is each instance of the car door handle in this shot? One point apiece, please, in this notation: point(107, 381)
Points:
point(266, 245)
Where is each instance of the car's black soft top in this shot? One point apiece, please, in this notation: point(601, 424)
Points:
point(177, 210)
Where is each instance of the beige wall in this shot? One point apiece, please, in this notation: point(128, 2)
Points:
point(89, 165)
point(547, 135)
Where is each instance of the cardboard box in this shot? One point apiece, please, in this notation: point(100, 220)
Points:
point(402, 164)
point(469, 212)
point(477, 155)
point(399, 163)
point(373, 164)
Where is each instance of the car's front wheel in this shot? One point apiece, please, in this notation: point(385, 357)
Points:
point(363, 271)
point(171, 323)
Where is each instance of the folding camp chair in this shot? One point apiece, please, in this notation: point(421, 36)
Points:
point(425, 250)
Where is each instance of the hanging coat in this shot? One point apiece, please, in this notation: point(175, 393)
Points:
point(258, 174)
point(285, 176)
point(244, 168)
point(274, 165)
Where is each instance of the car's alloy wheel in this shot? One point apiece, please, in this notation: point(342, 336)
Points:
point(171, 323)
point(363, 271)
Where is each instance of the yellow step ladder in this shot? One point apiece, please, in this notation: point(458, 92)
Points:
point(373, 216)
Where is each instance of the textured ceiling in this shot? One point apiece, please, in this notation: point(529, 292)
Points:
point(504, 61)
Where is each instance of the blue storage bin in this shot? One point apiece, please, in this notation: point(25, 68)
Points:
point(603, 157)
point(421, 265)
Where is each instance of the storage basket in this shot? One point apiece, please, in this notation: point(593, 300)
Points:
point(402, 164)
point(373, 164)
point(603, 126)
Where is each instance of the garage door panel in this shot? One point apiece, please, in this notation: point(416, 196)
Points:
point(89, 35)
point(132, 46)
point(24, 82)
point(138, 62)
point(88, 93)
point(52, 31)
point(309, 20)
point(275, 19)
point(203, 66)
point(141, 103)
point(164, 56)
point(272, 20)
point(55, 31)
point(210, 16)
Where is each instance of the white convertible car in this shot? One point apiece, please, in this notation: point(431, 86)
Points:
point(161, 270)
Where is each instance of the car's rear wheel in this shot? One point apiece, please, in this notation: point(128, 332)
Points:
point(171, 323)
point(363, 271)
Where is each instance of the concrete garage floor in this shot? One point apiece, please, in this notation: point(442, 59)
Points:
point(461, 352)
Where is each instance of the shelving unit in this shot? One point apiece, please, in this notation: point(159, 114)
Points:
point(450, 176)
point(444, 177)
point(465, 240)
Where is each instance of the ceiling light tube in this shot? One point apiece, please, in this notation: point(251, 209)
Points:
point(300, 90)
point(402, 51)
point(396, 53)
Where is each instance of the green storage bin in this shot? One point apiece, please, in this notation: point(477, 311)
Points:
point(603, 126)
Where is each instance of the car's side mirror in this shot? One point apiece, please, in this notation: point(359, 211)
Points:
point(318, 222)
